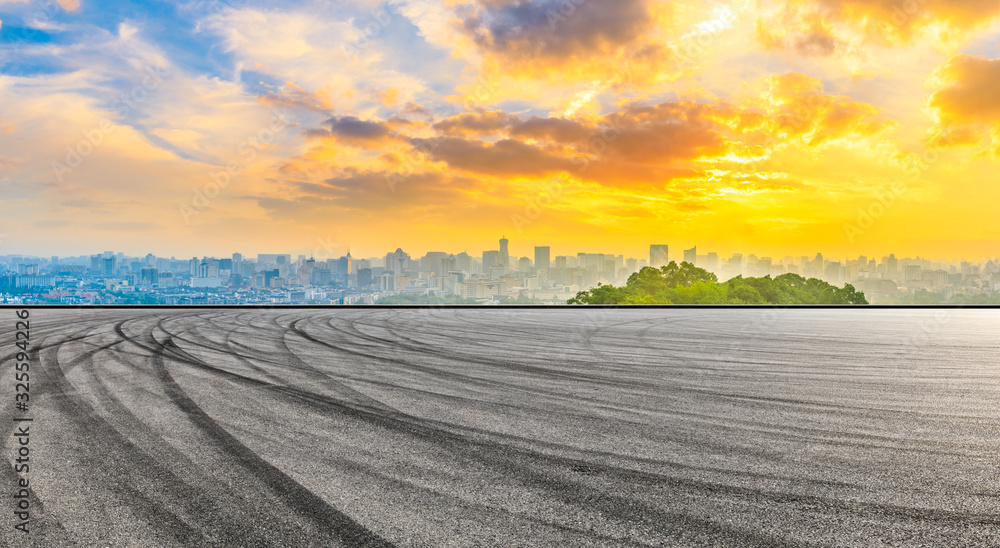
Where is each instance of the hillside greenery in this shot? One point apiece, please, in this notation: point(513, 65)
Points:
point(688, 284)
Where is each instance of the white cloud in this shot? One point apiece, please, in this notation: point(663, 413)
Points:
point(315, 51)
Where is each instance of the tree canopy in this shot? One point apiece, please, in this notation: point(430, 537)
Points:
point(688, 284)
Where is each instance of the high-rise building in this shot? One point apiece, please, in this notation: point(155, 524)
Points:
point(491, 259)
point(712, 261)
point(345, 266)
point(504, 253)
point(658, 256)
point(364, 277)
point(398, 261)
point(149, 276)
point(892, 266)
point(323, 276)
point(542, 258)
point(263, 278)
point(735, 264)
point(463, 262)
point(691, 255)
point(436, 262)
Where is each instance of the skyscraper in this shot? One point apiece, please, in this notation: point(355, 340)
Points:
point(364, 277)
point(658, 256)
point(541, 258)
point(237, 262)
point(504, 254)
point(691, 255)
point(149, 276)
point(397, 261)
point(491, 259)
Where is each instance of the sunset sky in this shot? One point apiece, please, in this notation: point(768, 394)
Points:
point(776, 127)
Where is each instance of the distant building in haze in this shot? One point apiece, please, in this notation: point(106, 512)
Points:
point(542, 260)
point(504, 253)
point(491, 259)
point(658, 256)
point(691, 255)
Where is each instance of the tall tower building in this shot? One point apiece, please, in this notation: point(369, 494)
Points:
point(542, 257)
point(397, 261)
point(504, 254)
point(658, 256)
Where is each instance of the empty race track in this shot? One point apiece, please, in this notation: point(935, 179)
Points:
point(508, 427)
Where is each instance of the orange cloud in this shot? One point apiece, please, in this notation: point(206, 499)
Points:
point(475, 123)
point(968, 104)
point(649, 145)
point(388, 97)
point(505, 157)
point(971, 93)
point(295, 96)
point(798, 107)
point(822, 27)
point(645, 163)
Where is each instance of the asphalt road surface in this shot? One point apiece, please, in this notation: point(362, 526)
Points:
point(477, 427)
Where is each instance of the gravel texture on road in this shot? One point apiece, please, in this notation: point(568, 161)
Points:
point(510, 427)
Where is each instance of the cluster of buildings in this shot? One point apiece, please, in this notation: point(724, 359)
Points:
point(490, 277)
point(888, 279)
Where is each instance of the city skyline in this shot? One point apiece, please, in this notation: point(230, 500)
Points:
point(675, 252)
point(674, 255)
point(786, 126)
point(490, 277)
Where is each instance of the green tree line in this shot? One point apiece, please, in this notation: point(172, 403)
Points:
point(688, 284)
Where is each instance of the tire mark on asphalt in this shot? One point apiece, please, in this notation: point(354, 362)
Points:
point(306, 503)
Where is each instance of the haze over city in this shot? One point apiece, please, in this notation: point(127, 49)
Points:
point(491, 276)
